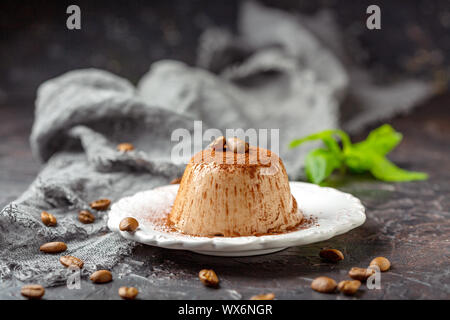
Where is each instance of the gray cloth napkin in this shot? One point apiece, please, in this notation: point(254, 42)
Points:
point(281, 71)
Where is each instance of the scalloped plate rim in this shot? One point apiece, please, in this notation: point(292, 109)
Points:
point(355, 213)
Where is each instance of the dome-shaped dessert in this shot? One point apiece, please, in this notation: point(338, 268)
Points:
point(232, 189)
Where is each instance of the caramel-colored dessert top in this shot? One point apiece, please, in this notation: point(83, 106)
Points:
point(255, 157)
point(225, 193)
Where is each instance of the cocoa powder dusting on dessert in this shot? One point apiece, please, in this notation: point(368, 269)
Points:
point(162, 223)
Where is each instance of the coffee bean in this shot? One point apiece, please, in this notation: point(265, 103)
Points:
point(68, 261)
point(208, 278)
point(237, 145)
point(360, 274)
point(175, 181)
point(32, 291)
point(349, 287)
point(332, 255)
point(323, 285)
point(128, 293)
point(218, 144)
point(125, 147)
point(266, 296)
point(48, 219)
point(128, 224)
point(100, 205)
point(382, 263)
point(101, 276)
point(86, 217)
point(53, 247)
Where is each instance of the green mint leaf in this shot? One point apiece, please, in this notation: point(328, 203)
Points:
point(346, 143)
point(368, 155)
point(327, 137)
point(319, 164)
point(383, 169)
point(359, 160)
point(381, 140)
point(315, 136)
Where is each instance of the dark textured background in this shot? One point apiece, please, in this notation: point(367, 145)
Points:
point(408, 222)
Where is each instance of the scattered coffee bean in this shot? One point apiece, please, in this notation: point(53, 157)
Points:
point(128, 224)
point(53, 247)
point(323, 285)
point(382, 263)
point(218, 144)
point(86, 217)
point(48, 219)
point(332, 255)
point(32, 291)
point(68, 261)
point(208, 278)
point(101, 276)
point(237, 145)
point(125, 147)
point(360, 274)
point(128, 293)
point(266, 296)
point(175, 181)
point(349, 287)
point(100, 205)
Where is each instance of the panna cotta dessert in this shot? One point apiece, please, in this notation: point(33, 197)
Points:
point(231, 189)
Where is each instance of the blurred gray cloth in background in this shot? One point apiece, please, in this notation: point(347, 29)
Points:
point(281, 71)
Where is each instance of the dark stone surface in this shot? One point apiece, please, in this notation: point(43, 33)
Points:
point(409, 223)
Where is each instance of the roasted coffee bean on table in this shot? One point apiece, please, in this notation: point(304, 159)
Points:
point(128, 293)
point(324, 285)
point(101, 204)
point(32, 291)
point(349, 287)
point(128, 224)
point(265, 296)
point(208, 278)
point(125, 147)
point(86, 217)
point(48, 219)
point(382, 263)
point(331, 255)
point(53, 247)
point(68, 261)
point(101, 276)
point(360, 274)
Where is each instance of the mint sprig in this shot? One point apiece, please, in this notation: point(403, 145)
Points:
point(368, 155)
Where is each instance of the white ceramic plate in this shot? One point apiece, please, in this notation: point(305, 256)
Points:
point(336, 213)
